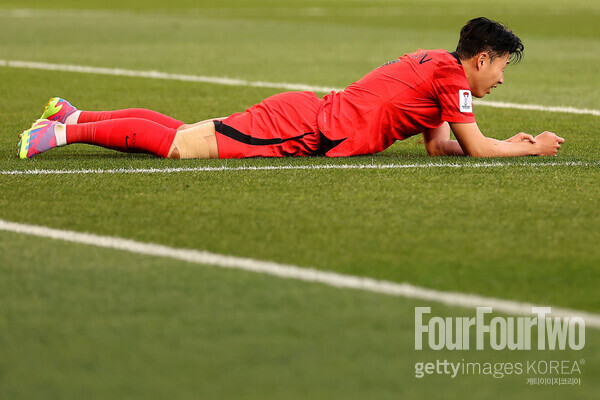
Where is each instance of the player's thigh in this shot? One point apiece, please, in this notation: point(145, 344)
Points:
point(197, 141)
point(281, 125)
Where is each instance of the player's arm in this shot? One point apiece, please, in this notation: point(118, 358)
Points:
point(438, 142)
point(473, 143)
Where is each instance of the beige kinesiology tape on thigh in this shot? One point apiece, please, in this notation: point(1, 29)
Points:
point(191, 145)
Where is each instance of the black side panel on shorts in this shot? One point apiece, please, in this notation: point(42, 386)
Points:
point(247, 139)
point(326, 144)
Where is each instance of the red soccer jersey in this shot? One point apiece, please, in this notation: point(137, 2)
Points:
point(397, 100)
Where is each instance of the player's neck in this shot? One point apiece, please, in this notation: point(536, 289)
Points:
point(470, 68)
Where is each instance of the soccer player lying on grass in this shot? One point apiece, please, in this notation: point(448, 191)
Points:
point(428, 92)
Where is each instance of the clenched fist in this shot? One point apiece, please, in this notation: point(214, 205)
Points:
point(547, 143)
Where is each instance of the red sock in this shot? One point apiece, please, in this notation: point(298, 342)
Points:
point(131, 135)
point(95, 116)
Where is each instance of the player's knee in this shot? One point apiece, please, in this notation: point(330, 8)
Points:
point(174, 152)
point(189, 146)
point(194, 143)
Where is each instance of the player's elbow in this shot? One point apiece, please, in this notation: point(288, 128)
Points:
point(434, 148)
point(433, 152)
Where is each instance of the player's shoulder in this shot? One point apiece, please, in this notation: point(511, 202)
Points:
point(432, 65)
point(424, 58)
point(437, 57)
point(446, 66)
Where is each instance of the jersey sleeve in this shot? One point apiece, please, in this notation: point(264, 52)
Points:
point(454, 94)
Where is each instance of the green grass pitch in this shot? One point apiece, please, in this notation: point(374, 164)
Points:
point(82, 322)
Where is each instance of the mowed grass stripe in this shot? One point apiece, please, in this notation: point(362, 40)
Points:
point(287, 271)
point(258, 84)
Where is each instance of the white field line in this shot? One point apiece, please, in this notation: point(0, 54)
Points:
point(260, 84)
point(161, 75)
point(287, 271)
point(169, 170)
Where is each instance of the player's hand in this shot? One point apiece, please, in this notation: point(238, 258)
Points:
point(521, 137)
point(548, 143)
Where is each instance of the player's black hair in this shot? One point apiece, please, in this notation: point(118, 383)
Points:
point(481, 34)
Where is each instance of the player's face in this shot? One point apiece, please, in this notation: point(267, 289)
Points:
point(491, 74)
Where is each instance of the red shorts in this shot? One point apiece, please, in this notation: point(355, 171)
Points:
point(281, 125)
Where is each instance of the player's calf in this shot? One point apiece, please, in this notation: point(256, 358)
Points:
point(64, 112)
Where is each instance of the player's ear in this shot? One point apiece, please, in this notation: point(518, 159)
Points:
point(480, 59)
